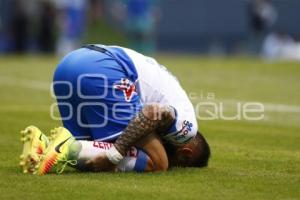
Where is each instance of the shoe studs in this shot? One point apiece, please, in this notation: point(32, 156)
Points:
point(27, 160)
point(23, 132)
point(22, 163)
point(26, 135)
point(36, 167)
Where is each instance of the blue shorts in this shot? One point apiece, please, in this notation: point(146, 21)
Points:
point(96, 93)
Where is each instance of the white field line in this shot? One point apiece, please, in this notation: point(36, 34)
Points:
point(271, 107)
point(231, 105)
point(30, 84)
point(45, 86)
point(26, 108)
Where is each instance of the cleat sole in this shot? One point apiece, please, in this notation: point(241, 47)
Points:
point(32, 149)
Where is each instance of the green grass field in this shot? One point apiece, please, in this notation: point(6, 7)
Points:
point(250, 159)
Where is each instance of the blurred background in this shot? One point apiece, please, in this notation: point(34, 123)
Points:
point(214, 47)
point(268, 28)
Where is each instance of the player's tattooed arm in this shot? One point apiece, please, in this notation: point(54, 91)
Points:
point(152, 118)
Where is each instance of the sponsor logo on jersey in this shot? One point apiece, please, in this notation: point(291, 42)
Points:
point(186, 128)
point(102, 145)
point(128, 88)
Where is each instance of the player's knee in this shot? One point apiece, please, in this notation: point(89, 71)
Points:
point(161, 166)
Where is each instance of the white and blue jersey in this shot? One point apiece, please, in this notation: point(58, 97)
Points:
point(100, 89)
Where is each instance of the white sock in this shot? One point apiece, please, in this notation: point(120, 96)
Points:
point(92, 149)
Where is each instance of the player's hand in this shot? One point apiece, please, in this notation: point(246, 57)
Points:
point(101, 163)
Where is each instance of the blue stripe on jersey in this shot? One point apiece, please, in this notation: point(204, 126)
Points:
point(123, 59)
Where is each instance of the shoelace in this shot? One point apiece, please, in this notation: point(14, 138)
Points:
point(61, 165)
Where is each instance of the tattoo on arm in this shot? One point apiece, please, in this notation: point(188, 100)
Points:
point(152, 118)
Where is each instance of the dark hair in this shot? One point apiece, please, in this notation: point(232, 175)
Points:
point(202, 158)
point(199, 158)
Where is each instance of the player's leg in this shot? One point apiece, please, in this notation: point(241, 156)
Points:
point(80, 84)
point(65, 87)
point(64, 149)
point(151, 144)
point(135, 160)
point(149, 155)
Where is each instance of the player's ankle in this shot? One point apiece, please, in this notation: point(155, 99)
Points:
point(74, 150)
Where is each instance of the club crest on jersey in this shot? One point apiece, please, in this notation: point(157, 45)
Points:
point(128, 88)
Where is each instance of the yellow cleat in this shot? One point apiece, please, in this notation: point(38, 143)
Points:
point(34, 145)
point(57, 151)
